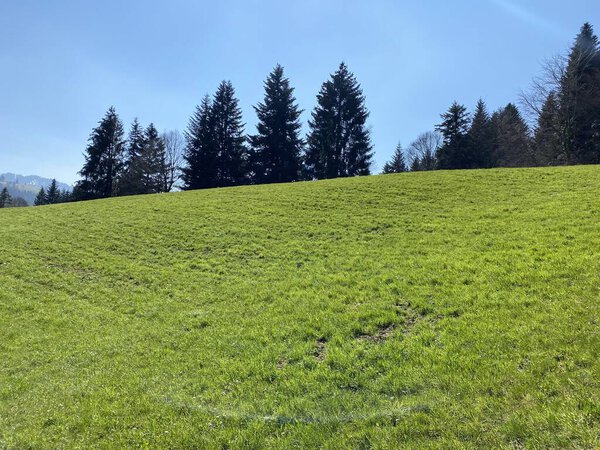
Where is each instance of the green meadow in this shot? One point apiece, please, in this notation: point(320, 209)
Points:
point(420, 310)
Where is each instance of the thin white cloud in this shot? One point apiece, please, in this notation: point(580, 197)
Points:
point(527, 16)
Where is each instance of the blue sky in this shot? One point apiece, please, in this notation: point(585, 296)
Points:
point(63, 63)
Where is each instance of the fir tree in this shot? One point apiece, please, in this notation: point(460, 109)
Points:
point(5, 198)
point(229, 139)
point(546, 140)
point(40, 199)
point(339, 143)
point(513, 144)
point(455, 152)
point(53, 194)
point(133, 170)
point(200, 154)
point(103, 159)
point(397, 164)
point(152, 157)
point(579, 100)
point(277, 146)
point(481, 138)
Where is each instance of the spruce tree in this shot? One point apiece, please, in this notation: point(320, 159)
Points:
point(132, 180)
point(397, 164)
point(53, 194)
point(579, 100)
point(546, 141)
point(152, 157)
point(229, 139)
point(40, 199)
point(201, 153)
point(512, 141)
point(103, 165)
point(339, 143)
point(455, 153)
point(5, 198)
point(277, 146)
point(481, 138)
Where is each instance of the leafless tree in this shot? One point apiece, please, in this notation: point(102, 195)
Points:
point(173, 158)
point(424, 150)
point(549, 80)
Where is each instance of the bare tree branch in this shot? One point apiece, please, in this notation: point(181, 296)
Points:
point(174, 146)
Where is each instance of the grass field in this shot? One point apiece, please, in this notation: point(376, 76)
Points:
point(421, 310)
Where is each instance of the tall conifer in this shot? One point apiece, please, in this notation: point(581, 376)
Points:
point(132, 179)
point(229, 138)
point(481, 138)
point(339, 143)
point(277, 146)
point(200, 154)
point(103, 159)
point(455, 152)
point(397, 163)
point(53, 193)
point(512, 141)
point(579, 99)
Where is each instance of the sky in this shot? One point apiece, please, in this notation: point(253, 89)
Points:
point(63, 63)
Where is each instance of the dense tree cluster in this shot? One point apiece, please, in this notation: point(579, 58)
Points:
point(52, 195)
point(338, 145)
point(215, 151)
point(143, 163)
point(564, 106)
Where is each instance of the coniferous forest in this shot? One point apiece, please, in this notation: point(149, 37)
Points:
point(555, 122)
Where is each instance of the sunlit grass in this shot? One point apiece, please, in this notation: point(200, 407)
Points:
point(415, 310)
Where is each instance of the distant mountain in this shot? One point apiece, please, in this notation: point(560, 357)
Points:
point(32, 180)
point(28, 186)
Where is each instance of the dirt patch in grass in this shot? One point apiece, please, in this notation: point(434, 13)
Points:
point(321, 350)
point(381, 335)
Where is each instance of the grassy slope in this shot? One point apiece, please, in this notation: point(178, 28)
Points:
point(429, 309)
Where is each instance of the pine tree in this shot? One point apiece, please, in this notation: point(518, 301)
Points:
point(546, 142)
point(152, 157)
point(455, 152)
point(579, 100)
point(40, 199)
point(53, 194)
point(132, 180)
point(277, 146)
point(103, 159)
point(397, 164)
point(339, 143)
point(5, 198)
point(229, 139)
point(513, 143)
point(201, 153)
point(481, 138)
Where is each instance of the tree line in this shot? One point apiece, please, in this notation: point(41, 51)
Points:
point(215, 151)
point(561, 125)
point(563, 108)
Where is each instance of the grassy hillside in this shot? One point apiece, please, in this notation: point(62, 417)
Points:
point(450, 309)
